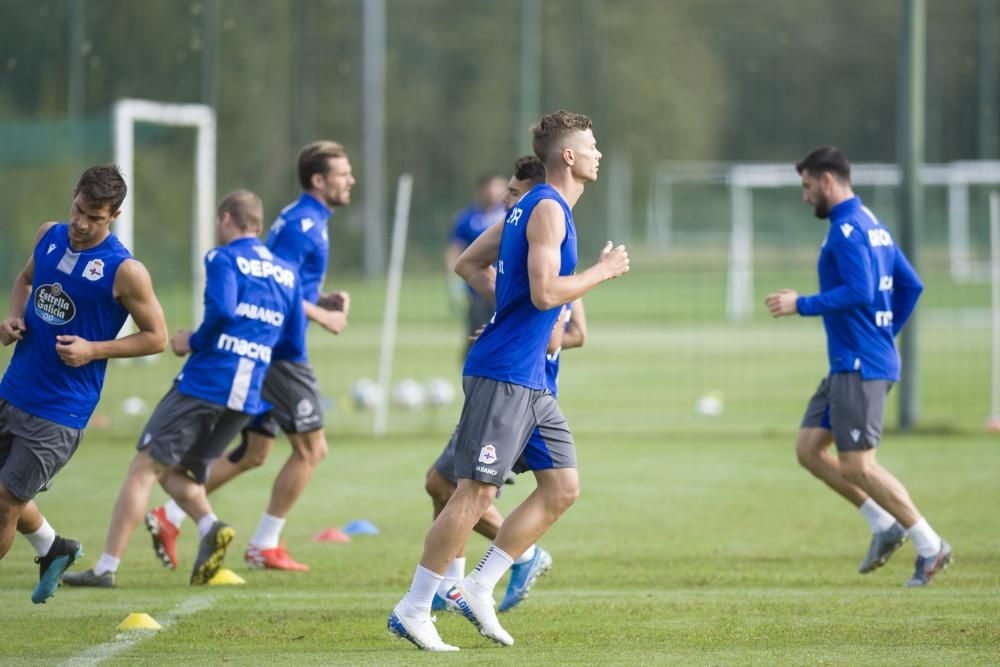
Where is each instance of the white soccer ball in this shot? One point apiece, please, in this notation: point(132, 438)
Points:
point(709, 405)
point(133, 405)
point(440, 392)
point(408, 393)
point(366, 394)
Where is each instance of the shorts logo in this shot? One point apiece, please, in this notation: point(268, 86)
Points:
point(488, 454)
point(304, 408)
point(488, 471)
point(53, 305)
point(855, 434)
point(94, 269)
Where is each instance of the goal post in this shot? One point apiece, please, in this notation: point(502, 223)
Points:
point(128, 112)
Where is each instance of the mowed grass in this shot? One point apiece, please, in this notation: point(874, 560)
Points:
point(697, 540)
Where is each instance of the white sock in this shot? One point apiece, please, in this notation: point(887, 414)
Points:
point(491, 568)
point(878, 519)
point(107, 563)
point(926, 541)
point(42, 538)
point(526, 556)
point(268, 532)
point(205, 524)
point(421, 593)
point(175, 514)
point(455, 573)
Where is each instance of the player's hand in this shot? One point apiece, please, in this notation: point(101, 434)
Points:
point(614, 260)
point(334, 321)
point(12, 329)
point(339, 300)
point(75, 351)
point(476, 334)
point(181, 342)
point(782, 303)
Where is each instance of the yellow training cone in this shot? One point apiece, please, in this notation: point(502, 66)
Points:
point(226, 577)
point(139, 622)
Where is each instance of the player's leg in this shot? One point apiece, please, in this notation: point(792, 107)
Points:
point(10, 510)
point(857, 410)
point(293, 392)
point(812, 448)
point(55, 553)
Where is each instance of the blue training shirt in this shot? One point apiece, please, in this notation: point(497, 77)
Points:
point(300, 237)
point(552, 360)
point(512, 346)
point(72, 293)
point(867, 292)
point(470, 223)
point(252, 299)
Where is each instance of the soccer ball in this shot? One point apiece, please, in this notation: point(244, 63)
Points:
point(408, 394)
point(440, 392)
point(366, 394)
point(709, 405)
point(133, 405)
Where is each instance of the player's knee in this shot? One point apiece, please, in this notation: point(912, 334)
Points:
point(310, 447)
point(806, 455)
point(437, 487)
point(856, 471)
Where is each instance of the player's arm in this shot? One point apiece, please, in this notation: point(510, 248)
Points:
point(545, 234)
point(133, 288)
point(575, 334)
point(475, 265)
point(333, 321)
point(853, 259)
point(221, 300)
point(906, 289)
point(556, 338)
point(295, 320)
point(12, 328)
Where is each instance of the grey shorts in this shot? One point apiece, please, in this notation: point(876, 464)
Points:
point(498, 418)
point(190, 432)
point(537, 455)
point(293, 392)
point(853, 408)
point(32, 450)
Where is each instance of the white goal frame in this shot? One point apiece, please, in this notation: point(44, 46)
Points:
point(128, 112)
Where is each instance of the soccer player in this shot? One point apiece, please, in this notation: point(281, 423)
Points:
point(504, 383)
point(81, 284)
point(299, 236)
point(441, 481)
point(486, 211)
point(251, 299)
point(867, 291)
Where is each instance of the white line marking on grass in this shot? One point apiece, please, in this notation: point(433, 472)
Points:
point(129, 638)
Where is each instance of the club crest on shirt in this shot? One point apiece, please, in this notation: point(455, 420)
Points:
point(53, 305)
point(94, 269)
point(488, 454)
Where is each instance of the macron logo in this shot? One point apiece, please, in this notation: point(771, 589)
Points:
point(855, 434)
point(307, 224)
point(847, 229)
point(52, 246)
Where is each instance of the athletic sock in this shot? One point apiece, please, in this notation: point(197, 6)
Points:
point(205, 524)
point(878, 519)
point(455, 574)
point(268, 532)
point(528, 554)
point(491, 568)
point(175, 514)
point(926, 541)
point(421, 593)
point(42, 539)
point(107, 563)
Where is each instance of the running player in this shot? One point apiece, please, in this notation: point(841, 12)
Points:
point(441, 481)
point(300, 237)
point(867, 292)
point(251, 300)
point(504, 383)
point(82, 284)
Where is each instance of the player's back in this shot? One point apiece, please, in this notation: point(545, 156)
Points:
point(512, 346)
point(262, 301)
point(861, 338)
point(72, 293)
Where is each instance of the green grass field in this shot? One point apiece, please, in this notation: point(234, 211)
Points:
point(697, 540)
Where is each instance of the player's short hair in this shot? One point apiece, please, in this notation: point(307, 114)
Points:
point(314, 158)
point(826, 159)
point(529, 168)
point(245, 208)
point(548, 134)
point(102, 184)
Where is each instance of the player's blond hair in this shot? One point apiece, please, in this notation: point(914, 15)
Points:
point(245, 209)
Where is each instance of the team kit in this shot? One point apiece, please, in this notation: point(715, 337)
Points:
point(248, 375)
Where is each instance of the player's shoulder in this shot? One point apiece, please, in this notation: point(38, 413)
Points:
point(45, 228)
